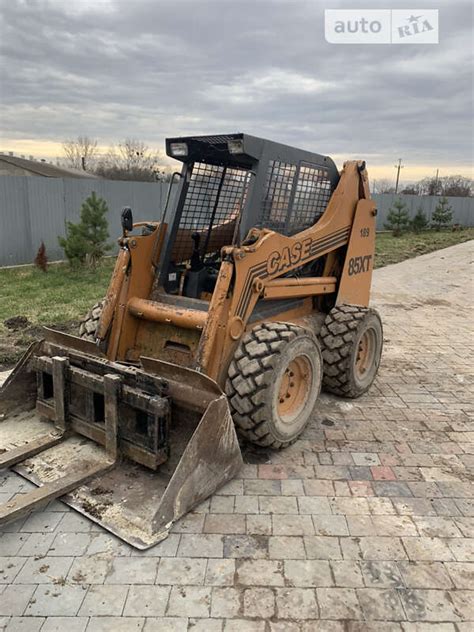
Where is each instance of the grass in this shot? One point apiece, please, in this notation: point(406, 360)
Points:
point(389, 249)
point(61, 296)
point(58, 298)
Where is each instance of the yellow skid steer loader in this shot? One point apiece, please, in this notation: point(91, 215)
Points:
point(223, 319)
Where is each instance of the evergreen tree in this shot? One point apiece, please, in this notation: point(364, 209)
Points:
point(442, 215)
point(420, 221)
point(86, 242)
point(397, 218)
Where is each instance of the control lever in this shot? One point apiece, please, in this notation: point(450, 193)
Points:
point(196, 263)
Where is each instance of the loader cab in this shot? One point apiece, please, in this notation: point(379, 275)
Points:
point(230, 184)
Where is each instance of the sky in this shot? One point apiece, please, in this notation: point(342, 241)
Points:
point(149, 69)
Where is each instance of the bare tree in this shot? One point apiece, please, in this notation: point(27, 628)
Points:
point(383, 186)
point(430, 186)
point(80, 152)
point(410, 189)
point(131, 160)
point(457, 186)
point(454, 186)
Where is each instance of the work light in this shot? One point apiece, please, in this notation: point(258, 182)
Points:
point(235, 146)
point(179, 149)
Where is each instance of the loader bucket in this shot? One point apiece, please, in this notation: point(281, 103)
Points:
point(134, 448)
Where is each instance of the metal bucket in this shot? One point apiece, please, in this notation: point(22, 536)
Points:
point(134, 448)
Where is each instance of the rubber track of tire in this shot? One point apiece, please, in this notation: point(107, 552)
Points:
point(88, 325)
point(250, 376)
point(337, 338)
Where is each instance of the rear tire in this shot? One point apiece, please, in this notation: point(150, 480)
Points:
point(351, 341)
point(273, 383)
point(88, 325)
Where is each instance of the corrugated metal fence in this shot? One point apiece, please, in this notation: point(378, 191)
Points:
point(36, 209)
point(463, 207)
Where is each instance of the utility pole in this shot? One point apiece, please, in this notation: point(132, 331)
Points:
point(398, 167)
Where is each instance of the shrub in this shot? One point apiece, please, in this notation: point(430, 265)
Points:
point(398, 220)
point(86, 242)
point(420, 221)
point(442, 215)
point(41, 260)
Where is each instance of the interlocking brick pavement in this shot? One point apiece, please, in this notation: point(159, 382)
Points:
point(365, 524)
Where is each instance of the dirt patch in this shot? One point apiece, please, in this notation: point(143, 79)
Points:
point(98, 491)
point(436, 301)
point(95, 509)
point(327, 422)
point(255, 455)
point(17, 334)
point(15, 323)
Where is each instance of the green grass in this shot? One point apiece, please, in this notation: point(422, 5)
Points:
point(389, 249)
point(59, 297)
point(62, 296)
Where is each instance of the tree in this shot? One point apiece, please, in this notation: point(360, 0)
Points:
point(430, 186)
point(442, 215)
point(457, 186)
point(80, 152)
point(86, 242)
point(454, 186)
point(41, 260)
point(397, 218)
point(132, 160)
point(420, 221)
point(383, 186)
point(411, 189)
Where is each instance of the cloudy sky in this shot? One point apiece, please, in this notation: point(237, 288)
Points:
point(154, 68)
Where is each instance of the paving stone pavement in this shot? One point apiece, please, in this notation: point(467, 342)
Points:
point(366, 523)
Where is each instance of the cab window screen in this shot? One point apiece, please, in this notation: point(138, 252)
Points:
point(295, 196)
point(312, 194)
point(214, 199)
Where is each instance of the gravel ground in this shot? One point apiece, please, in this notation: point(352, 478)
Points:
point(366, 523)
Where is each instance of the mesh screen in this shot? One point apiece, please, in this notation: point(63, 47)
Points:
point(213, 202)
point(280, 178)
point(295, 197)
point(312, 193)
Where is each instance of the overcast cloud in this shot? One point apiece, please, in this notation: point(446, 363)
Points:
point(151, 69)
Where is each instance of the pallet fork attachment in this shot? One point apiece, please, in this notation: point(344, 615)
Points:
point(132, 448)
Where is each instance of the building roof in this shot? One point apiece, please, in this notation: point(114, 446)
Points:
point(45, 169)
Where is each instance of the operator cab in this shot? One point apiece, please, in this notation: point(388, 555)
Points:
point(224, 191)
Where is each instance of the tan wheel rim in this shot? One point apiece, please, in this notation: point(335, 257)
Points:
point(365, 353)
point(294, 388)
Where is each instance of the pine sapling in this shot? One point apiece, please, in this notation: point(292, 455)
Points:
point(86, 242)
point(419, 222)
point(442, 215)
point(398, 220)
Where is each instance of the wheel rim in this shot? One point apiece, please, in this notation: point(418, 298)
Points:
point(294, 388)
point(365, 353)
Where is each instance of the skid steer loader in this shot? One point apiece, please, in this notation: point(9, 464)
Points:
point(227, 315)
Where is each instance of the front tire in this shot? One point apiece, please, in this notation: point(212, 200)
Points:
point(352, 341)
point(273, 383)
